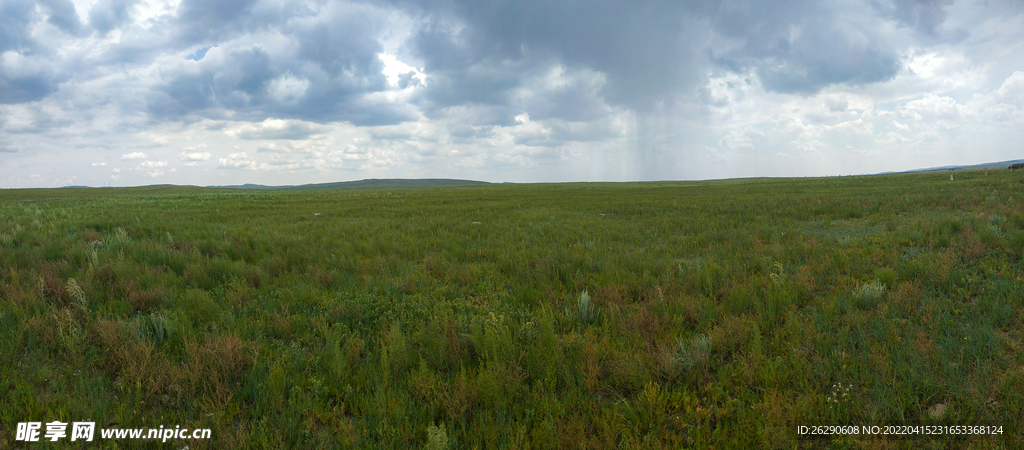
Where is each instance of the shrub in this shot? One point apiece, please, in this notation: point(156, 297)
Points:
point(70, 334)
point(710, 279)
point(120, 239)
point(200, 306)
point(693, 353)
point(990, 236)
point(149, 327)
point(868, 295)
point(1016, 243)
point(437, 438)
point(77, 294)
point(886, 276)
point(585, 309)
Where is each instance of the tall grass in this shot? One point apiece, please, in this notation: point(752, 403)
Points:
point(651, 315)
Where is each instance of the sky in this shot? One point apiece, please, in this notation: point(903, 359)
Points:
point(282, 92)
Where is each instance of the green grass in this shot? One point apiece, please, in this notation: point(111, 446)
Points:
point(637, 315)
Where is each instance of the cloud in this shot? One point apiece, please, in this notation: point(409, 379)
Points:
point(27, 78)
point(272, 147)
point(745, 139)
point(836, 104)
point(200, 19)
point(851, 127)
point(651, 51)
point(195, 156)
point(160, 141)
point(1012, 89)
point(240, 160)
point(521, 91)
point(16, 20)
point(276, 129)
point(396, 70)
point(803, 47)
point(479, 54)
point(315, 65)
point(192, 159)
point(714, 154)
point(107, 15)
point(933, 107)
point(923, 15)
point(287, 88)
point(62, 14)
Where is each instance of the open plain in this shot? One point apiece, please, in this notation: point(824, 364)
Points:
point(719, 314)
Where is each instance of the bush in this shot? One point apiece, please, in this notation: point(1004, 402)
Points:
point(1016, 243)
point(585, 309)
point(693, 353)
point(886, 276)
point(990, 236)
point(149, 327)
point(437, 438)
point(868, 295)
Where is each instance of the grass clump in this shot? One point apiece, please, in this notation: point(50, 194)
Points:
point(437, 438)
point(149, 327)
point(694, 353)
point(869, 294)
point(585, 312)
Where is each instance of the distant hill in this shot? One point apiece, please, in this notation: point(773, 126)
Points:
point(395, 183)
point(992, 165)
point(373, 183)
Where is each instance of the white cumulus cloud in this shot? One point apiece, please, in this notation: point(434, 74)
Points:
point(134, 155)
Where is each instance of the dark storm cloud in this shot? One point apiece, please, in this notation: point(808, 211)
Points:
point(236, 83)
point(331, 53)
point(38, 121)
point(574, 102)
point(194, 23)
point(647, 53)
point(490, 84)
point(923, 15)
point(29, 74)
point(646, 49)
point(483, 73)
point(28, 88)
point(331, 62)
point(652, 51)
point(62, 15)
point(802, 47)
point(202, 20)
point(810, 69)
point(107, 15)
point(340, 41)
point(16, 17)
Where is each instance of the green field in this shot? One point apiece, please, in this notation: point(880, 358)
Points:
point(717, 314)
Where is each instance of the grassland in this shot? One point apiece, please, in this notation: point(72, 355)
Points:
point(655, 315)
